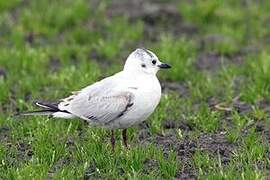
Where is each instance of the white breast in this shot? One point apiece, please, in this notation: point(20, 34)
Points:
point(147, 97)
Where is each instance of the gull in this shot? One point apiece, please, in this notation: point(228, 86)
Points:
point(116, 102)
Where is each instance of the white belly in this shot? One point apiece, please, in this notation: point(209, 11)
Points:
point(144, 105)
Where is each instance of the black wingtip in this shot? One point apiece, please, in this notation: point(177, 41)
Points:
point(47, 105)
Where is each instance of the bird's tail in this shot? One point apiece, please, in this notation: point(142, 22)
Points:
point(45, 112)
point(48, 110)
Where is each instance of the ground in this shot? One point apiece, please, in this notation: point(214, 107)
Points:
point(213, 119)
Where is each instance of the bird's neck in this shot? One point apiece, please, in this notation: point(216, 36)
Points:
point(139, 77)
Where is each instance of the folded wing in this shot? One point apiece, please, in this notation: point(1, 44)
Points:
point(99, 103)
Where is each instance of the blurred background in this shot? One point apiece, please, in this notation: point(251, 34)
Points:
point(213, 119)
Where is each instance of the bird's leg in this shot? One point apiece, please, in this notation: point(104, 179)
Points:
point(112, 140)
point(124, 135)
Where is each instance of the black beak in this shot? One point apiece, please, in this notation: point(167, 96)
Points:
point(164, 66)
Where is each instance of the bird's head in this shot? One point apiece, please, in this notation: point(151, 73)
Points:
point(143, 60)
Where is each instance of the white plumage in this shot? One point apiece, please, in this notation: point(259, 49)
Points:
point(118, 101)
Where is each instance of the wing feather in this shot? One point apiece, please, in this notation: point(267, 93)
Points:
point(100, 103)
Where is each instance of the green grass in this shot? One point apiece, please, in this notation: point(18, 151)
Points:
point(50, 48)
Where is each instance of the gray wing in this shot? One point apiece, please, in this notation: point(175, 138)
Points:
point(100, 103)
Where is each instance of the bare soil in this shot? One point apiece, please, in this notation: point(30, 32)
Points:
point(214, 144)
point(157, 17)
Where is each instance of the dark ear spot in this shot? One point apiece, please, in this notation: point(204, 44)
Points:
point(143, 65)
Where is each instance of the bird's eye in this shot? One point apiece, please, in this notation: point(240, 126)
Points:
point(154, 62)
point(143, 65)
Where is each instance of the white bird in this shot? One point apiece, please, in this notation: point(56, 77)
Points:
point(116, 102)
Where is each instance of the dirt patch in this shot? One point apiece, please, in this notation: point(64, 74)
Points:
point(172, 124)
point(235, 105)
point(157, 17)
point(138, 8)
point(217, 144)
point(185, 148)
point(211, 61)
point(168, 124)
point(214, 144)
point(242, 107)
point(178, 87)
point(185, 126)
